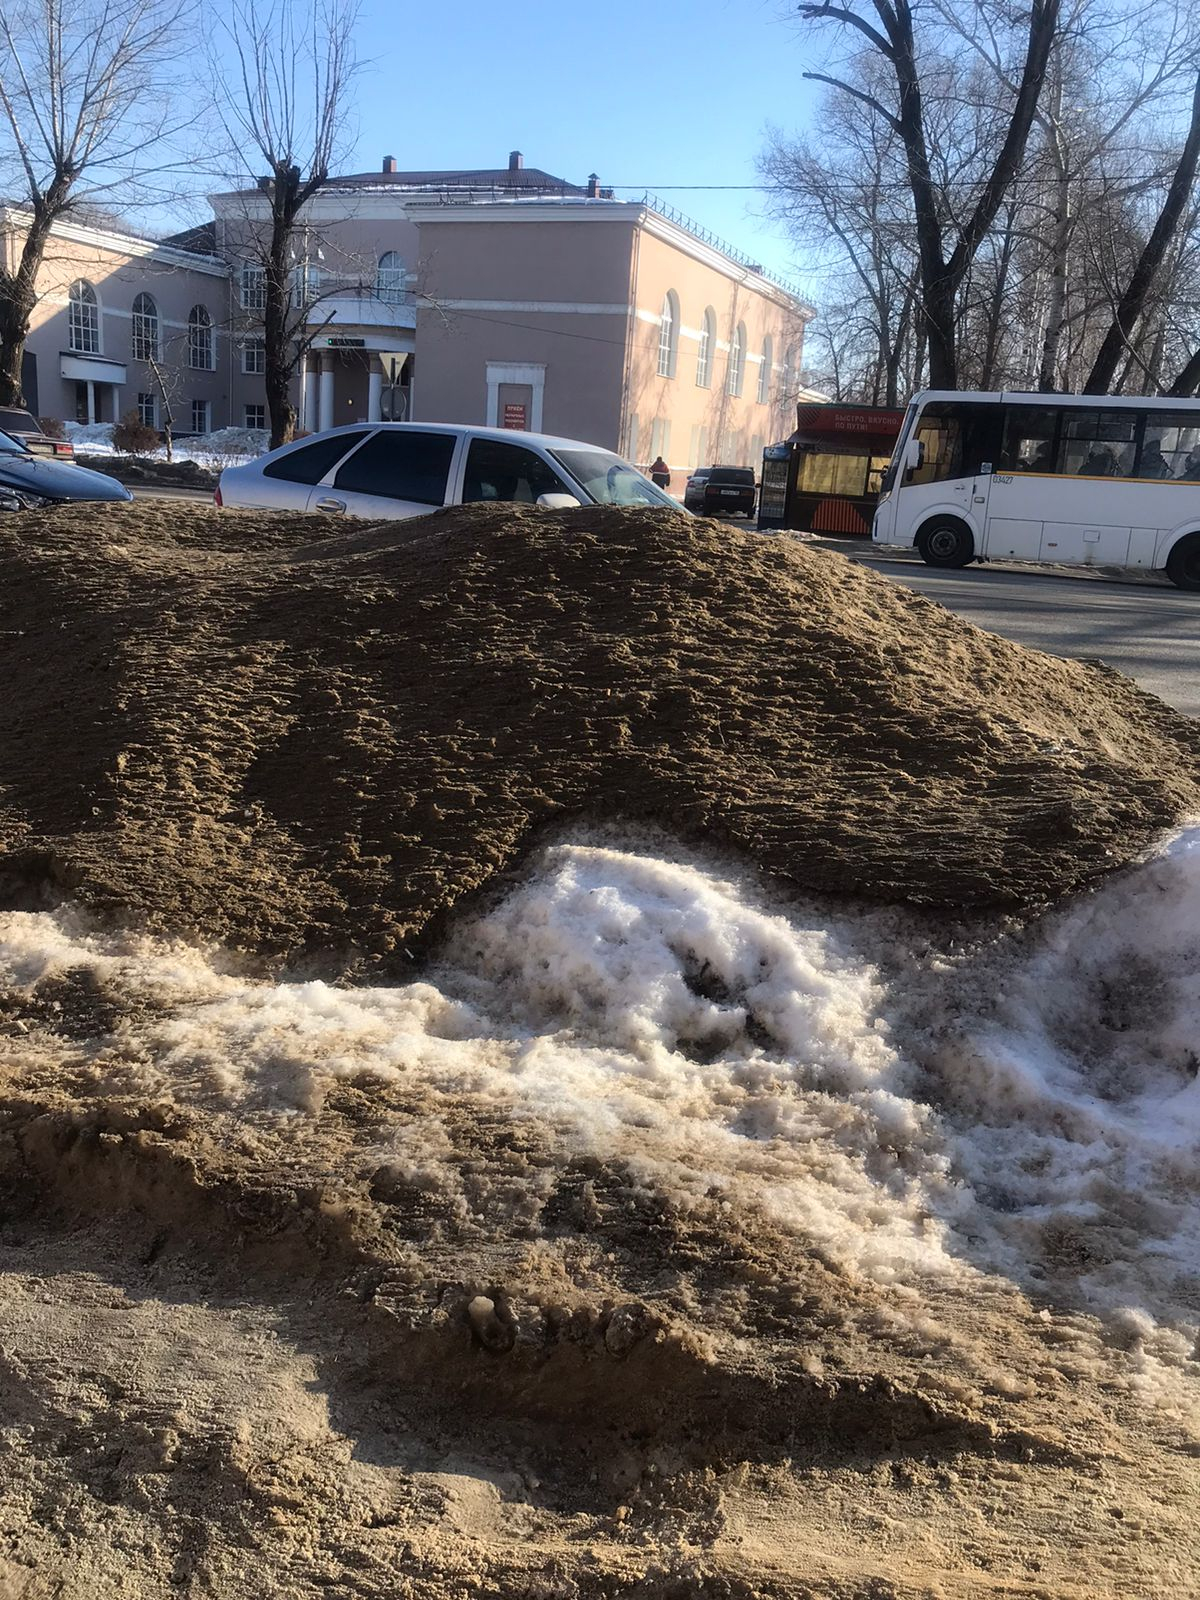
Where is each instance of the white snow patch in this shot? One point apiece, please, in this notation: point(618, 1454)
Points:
point(1030, 1107)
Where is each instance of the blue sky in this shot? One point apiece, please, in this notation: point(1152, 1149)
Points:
point(655, 95)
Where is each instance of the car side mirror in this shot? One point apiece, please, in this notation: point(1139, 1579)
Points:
point(558, 502)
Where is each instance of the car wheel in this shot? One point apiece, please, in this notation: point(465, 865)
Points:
point(1183, 564)
point(946, 542)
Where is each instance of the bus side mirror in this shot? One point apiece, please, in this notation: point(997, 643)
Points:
point(914, 455)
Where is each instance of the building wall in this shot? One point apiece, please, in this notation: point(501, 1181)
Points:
point(689, 422)
point(529, 300)
point(119, 271)
point(547, 311)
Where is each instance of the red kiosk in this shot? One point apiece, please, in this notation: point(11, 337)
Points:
point(826, 476)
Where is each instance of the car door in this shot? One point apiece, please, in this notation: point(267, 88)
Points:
point(502, 470)
point(398, 472)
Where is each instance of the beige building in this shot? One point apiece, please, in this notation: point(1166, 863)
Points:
point(504, 297)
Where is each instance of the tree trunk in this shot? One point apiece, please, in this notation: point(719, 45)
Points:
point(18, 293)
point(1133, 301)
point(1060, 244)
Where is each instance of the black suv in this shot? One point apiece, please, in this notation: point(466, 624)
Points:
point(712, 490)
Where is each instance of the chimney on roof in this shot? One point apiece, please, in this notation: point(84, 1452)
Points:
point(593, 188)
point(389, 163)
point(515, 161)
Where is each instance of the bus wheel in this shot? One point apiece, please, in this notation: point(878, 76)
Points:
point(946, 542)
point(1183, 564)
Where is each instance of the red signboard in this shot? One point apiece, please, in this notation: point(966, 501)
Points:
point(848, 419)
point(514, 415)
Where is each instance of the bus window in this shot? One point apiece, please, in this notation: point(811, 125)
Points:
point(1097, 444)
point(960, 439)
point(1170, 446)
point(1029, 438)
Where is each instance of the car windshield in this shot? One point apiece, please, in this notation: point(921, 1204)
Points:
point(611, 481)
point(11, 447)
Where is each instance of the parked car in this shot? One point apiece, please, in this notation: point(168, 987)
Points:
point(710, 490)
point(693, 489)
point(23, 425)
point(404, 469)
point(28, 480)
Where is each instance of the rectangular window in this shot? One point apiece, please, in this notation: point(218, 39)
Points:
point(660, 439)
point(1170, 446)
point(498, 471)
point(400, 466)
point(764, 381)
point(256, 416)
point(1095, 443)
point(200, 416)
point(254, 286)
point(146, 408)
point(254, 356)
point(1029, 433)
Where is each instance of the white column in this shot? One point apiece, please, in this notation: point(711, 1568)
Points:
point(310, 413)
point(91, 394)
point(374, 393)
point(302, 394)
point(326, 413)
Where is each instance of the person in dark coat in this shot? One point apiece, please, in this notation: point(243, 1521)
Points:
point(660, 473)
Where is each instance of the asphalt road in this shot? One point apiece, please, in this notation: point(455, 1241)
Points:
point(1150, 633)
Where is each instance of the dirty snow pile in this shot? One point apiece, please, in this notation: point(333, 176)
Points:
point(314, 745)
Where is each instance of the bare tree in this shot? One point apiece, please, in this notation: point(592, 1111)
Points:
point(286, 105)
point(840, 203)
point(945, 252)
point(85, 94)
point(1137, 290)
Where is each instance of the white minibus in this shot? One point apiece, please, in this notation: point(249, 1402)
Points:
point(1095, 480)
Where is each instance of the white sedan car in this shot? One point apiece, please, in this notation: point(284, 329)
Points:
point(404, 469)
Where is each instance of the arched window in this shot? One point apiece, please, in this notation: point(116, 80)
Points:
point(145, 329)
point(791, 372)
point(708, 338)
point(736, 370)
point(200, 339)
point(83, 319)
point(390, 277)
point(764, 372)
point(668, 335)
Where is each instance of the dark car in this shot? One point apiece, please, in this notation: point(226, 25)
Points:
point(29, 480)
point(24, 427)
point(721, 491)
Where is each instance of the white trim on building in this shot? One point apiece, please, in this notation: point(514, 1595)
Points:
point(532, 373)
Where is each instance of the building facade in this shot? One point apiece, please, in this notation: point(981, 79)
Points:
point(504, 297)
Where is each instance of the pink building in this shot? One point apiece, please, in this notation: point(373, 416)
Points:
point(505, 297)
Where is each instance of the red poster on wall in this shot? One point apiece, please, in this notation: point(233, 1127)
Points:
point(514, 415)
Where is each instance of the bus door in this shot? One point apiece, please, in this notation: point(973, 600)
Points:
point(959, 447)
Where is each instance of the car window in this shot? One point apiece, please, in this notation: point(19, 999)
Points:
point(18, 422)
point(400, 465)
point(311, 462)
point(610, 481)
point(497, 470)
point(11, 447)
point(739, 475)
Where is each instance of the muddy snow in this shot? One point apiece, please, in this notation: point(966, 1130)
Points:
point(636, 1183)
